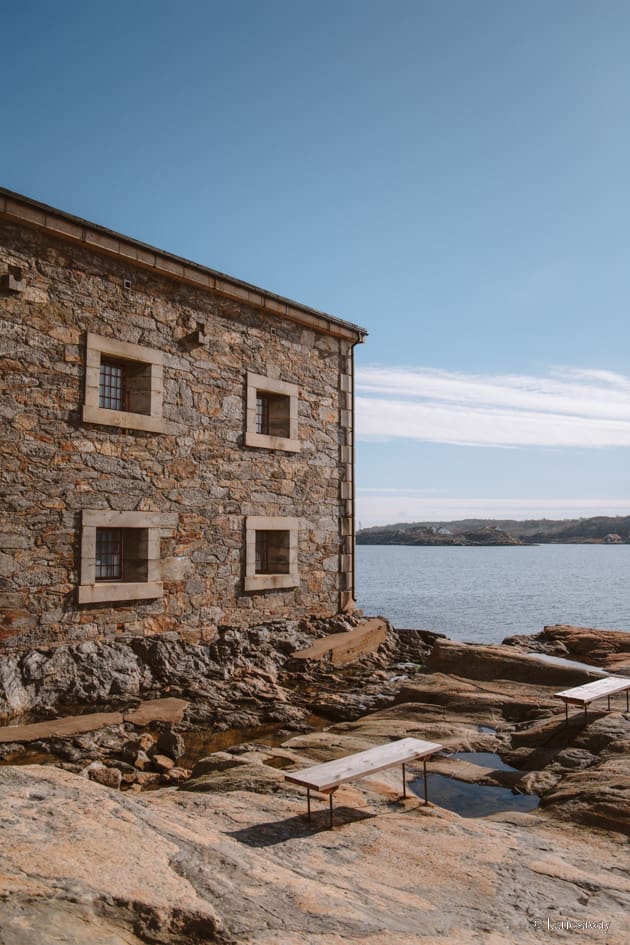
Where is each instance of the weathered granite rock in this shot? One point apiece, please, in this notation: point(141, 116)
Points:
point(108, 777)
point(172, 744)
point(528, 730)
point(217, 762)
point(208, 673)
point(86, 866)
point(502, 662)
point(256, 778)
point(598, 795)
point(609, 649)
point(162, 763)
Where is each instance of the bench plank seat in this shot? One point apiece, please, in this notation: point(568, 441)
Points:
point(327, 777)
point(598, 689)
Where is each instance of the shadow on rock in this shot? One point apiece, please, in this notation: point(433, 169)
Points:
point(273, 832)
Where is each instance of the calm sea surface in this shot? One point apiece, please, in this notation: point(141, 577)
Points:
point(482, 595)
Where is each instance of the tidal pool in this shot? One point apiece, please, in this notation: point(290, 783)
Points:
point(474, 800)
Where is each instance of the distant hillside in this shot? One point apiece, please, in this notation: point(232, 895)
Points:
point(483, 531)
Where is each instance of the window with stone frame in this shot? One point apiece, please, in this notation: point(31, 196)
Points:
point(123, 385)
point(120, 556)
point(271, 556)
point(271, 414)
point(272, 551)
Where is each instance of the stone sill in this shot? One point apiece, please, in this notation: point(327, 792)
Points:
point(98, 593)
point(270, 582)
point(262, 441)
point(124, 419)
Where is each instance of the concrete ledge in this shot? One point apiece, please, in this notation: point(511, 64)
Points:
point(344, 647)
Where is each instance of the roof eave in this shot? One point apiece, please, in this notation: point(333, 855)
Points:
point(18, 208)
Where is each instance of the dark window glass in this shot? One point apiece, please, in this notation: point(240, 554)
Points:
point(121, 554)
point(273, 414)
point(108, 554)
point(111, 391)
point(262, 414)
point(272, 552)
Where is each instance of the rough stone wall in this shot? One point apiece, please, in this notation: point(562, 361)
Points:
point(199, 473)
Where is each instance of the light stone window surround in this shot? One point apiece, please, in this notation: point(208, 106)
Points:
point(262, 582)
point(98, 347)
point(90, 590)
point(270, 385)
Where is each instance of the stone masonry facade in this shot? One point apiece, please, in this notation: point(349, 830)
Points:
point(217, 490)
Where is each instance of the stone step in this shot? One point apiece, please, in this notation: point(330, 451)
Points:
point(342, 648)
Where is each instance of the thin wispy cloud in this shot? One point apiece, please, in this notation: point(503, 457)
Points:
point(568, 408)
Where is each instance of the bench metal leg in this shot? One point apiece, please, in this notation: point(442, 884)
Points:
point(404, 783)
point(586, 713)
point(426, 795)
point(627, 701)
point(330, 801)
point(308, 803)
point(609, 703)
point(566, 713)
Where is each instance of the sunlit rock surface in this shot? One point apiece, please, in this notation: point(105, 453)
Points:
point(82, 864)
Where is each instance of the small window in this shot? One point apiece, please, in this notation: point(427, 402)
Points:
point(108, 554)
point(123, 385)
point(271, 558)
point(272, 408)
point(262, 414)
point(120, 556)
point(272, 552)
point(112, 386)
point(273, 414)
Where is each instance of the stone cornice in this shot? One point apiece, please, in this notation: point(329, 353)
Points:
point(19, 209)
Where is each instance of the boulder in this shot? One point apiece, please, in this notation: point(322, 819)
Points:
point(172, 744)
point(162, 763)
point(108, 777)
point(256, 778)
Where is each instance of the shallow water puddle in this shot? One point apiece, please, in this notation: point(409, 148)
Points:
point(204, 742)
point(472, 800)
point(485, 759)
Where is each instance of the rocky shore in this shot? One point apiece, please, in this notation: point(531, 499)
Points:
point(220, 850)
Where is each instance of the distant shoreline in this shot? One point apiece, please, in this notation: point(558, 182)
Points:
point(600, 530)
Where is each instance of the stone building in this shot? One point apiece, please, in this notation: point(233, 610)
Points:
point(177, 448)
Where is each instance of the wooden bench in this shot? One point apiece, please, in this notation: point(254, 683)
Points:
point(326, 778)
point(587, 693)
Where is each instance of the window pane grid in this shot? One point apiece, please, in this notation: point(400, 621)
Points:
point(108, 554)
point(262, 414)
point(111, 391)
point(262, 553)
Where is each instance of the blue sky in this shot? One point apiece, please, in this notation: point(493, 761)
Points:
point(452, 175)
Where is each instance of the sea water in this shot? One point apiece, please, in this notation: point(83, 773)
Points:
point(483, 594)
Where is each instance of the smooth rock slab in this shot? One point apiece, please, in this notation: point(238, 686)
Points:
point(59, 728)
point(158, 710)
point(178, 868)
